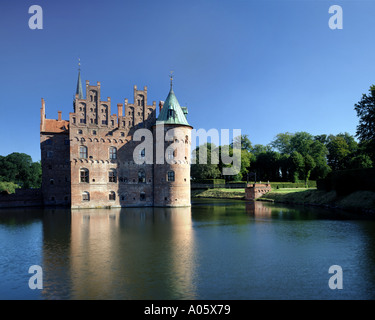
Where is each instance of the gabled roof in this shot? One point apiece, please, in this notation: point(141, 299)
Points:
point(172, 112)
point(56, 126)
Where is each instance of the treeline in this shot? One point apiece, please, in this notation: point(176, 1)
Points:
point(17, 170)
point(290, 157)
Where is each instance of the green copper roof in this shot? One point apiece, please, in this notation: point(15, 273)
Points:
point(79, 86)
point(172, 112)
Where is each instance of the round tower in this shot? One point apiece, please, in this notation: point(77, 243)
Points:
point(172, 143)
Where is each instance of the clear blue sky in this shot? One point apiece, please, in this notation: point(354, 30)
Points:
point(262, 66)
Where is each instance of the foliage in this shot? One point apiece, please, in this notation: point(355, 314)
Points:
point(21, 170)
point(366, 128)
point(8, 186)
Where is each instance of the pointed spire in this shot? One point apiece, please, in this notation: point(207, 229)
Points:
point(172, 112)
point(171, 77)
point(79, 82)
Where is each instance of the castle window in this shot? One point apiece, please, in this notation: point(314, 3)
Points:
point(123, 198)
point(112, 196)
point(112, 175)
point(170, 154)
point(85, 196)
point(74, 120)
point(83, 152)
point(142, 196)
point(84, 175)
point(112, 122)
point(79, 131)
point(82, 120)
point(170, 113)
point(123, 123)
point(104, 121)
point(51, 181)
point(94, 132)
point(186, 139)
point(141, 176)
point(170, 176)
point(123, 133)
point(112, 153)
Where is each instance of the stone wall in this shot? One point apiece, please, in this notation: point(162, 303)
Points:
point(22, 198)
point(256, 190)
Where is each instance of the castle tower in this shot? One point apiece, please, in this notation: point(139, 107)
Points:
point(172, 142)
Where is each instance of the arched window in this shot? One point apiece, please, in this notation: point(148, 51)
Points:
point(112, 175)
point(170, 154)
point(85, 196)
point(84, 175)
point(112, 196)
point(112, 153)
point(141, 176)
point(83, 152)
point(142, 196)
point(170, 176)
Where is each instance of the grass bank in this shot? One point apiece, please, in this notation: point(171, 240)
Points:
point(219, 193)
point(359, 201)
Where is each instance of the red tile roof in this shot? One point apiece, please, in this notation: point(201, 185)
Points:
point(56, 126)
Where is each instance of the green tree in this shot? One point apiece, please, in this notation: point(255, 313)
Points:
point(365, 109)
point(21, 170)
point(208, 166)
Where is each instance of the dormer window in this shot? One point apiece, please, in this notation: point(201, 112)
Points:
point(170, 113)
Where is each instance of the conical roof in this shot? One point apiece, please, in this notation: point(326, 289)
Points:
point(79, 86)
point(172, 112)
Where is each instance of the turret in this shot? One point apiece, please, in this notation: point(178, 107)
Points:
point(172, 141)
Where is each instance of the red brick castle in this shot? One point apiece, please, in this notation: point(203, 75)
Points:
point(92, 159)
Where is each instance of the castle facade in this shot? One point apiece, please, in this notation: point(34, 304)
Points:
point(98, 159)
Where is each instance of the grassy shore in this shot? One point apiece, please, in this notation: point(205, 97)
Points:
point(360, 201)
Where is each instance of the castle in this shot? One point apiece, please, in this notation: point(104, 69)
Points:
point(98, 159)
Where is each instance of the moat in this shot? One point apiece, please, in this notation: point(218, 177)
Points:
point(217, 249)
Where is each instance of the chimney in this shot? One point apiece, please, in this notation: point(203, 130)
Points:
point(59, 117)
point(119, 109)
point(161, 103)
point(42, 115)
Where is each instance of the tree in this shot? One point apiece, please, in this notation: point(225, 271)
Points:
point(245, 142)
point(21, 170)
point(366, 128)
point(341, 148)
point(207, 168)
point(282, 143)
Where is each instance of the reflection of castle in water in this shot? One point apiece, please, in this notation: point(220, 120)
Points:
point(130, 253)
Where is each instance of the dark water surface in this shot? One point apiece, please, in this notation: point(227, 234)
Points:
point(217, 249)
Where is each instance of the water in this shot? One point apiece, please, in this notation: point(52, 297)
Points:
point(217, 249)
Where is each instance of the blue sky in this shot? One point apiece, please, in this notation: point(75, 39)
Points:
point(262, 66)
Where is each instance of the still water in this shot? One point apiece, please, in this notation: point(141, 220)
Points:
point(217, 249)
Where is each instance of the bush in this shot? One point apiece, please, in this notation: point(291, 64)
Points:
point(8, 186)
point(347, 181)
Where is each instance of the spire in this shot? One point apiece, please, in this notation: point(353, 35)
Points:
point(79, 83)
point(171, 77)
point(172, 112)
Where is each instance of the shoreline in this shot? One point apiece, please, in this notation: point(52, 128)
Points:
point(359, 202)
